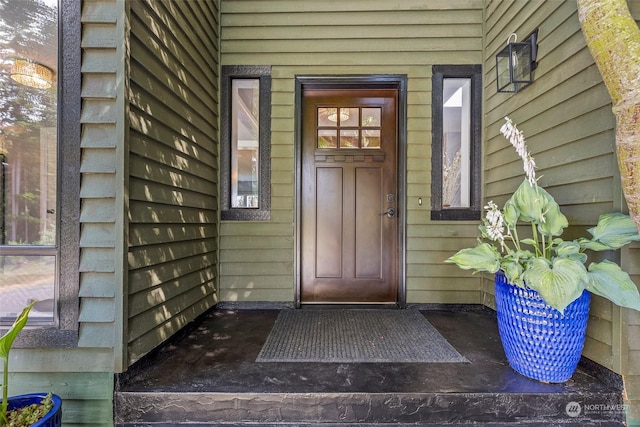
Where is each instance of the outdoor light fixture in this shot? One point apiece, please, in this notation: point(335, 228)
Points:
point(516, 62)
point(32, 74)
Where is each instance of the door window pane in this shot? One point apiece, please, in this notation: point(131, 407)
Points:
point(456, 143)
point(327, 117)
point(28, 156)
point(371, 117)
point(327, 138)
point(371, 138)
point(245, 148)
point(349, 127)
point(349, 117)
point(349, 138)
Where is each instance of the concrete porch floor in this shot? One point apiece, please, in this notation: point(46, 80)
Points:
point(208, 376)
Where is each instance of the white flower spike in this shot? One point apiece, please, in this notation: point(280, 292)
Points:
point(516, 138)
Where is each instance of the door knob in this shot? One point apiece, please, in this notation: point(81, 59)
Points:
point(390, 213)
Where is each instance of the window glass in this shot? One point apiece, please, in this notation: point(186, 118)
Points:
point(371, 117)
point(349, 127)
point(456, 142)
point(349, 138)
point(245, 143)
point(28, 156)
point(327, 138)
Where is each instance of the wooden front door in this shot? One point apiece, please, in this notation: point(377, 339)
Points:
point(349, 240)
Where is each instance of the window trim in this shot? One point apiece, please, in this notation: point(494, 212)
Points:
point(439, 73)
point(65, 335)
point(263, 212)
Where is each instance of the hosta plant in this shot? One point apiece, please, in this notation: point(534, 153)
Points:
point(542, 260)
point(21, 416)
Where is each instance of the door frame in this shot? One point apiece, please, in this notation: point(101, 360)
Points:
point(377, 81)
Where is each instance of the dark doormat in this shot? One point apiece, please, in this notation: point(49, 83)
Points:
point(356, 336)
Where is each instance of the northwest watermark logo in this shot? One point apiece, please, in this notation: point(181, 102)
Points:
point(576, 409)
point(573, 409)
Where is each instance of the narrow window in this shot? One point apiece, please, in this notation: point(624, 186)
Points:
point(245, 142)
point(28, 159)
point(39, 150)
point(245, 183)
point(456, 115)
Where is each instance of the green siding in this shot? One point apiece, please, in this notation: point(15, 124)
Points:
point(86, 396)
point(172, 164)
point(341, 38)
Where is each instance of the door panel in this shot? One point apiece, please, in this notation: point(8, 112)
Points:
point(349, 180)
point(368, 233)
point(328, 233)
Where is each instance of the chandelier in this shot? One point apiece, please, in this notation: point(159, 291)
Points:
point(31, 73)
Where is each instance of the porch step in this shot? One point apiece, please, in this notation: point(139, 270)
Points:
point(360, 409)
point(209, 376)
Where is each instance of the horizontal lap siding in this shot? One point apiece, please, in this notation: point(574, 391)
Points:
point(569, 127)
point(173, 163)
point(341, 38)
point(86, 396)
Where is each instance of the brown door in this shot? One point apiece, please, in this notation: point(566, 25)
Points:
point(349, 241)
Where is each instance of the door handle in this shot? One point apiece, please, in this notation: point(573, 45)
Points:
point(390, 213)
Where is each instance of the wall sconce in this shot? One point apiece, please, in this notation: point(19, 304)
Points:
point(32, 74)
point(516, 62)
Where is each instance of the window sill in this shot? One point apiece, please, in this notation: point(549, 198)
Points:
point(45, 338)
point(456, 215)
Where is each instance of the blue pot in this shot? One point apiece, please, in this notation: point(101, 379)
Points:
point(539, 341)
point(52, 419)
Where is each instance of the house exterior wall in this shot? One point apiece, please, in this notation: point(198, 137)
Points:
point(567, 121)
point(83, 375)
point(145, 196)
point(172, 163)
point(302, 38)
point(148, 196)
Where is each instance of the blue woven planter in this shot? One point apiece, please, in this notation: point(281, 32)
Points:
point(539, 341)
point(52, 419)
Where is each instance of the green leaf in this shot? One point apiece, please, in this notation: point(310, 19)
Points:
point(591, 245)
point(559, 283)
point(6, 341)
point(535, 205)
point(571, 250)
point(510, 214)
point(483, 257)
point(528, 202)
point(614, 230)
point(607, 279)
point(513, 271)
point(554, 221)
